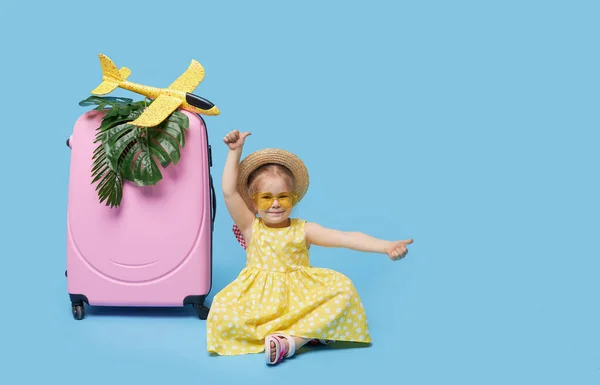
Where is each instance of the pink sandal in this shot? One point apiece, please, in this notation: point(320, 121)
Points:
point(316, 342)
point(280, 349)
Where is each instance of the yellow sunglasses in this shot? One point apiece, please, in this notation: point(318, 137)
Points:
point(264, 200)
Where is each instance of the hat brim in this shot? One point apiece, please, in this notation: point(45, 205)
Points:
point(267, 156)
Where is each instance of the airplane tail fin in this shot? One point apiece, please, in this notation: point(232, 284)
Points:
point(111, 76)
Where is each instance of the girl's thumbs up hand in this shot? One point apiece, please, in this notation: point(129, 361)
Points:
point(235, 139)
point(397, 250)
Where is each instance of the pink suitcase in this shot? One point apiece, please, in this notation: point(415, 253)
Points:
point(155, 249)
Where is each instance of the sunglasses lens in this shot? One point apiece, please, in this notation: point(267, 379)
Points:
point(265, 200)
point(285, 201)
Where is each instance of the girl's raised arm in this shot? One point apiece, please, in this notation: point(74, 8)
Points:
point(240, 213)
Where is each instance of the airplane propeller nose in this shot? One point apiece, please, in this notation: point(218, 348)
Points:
point(198, 102)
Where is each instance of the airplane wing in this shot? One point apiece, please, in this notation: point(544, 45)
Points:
point(158, 111)
point(190, 79)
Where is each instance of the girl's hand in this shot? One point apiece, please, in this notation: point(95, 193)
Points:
point(397, 250)
point(235, 140)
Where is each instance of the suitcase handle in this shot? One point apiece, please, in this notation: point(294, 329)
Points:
point(213, 205)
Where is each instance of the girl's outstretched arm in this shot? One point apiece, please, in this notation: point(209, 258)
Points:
point(321, 236)
point(240, 213)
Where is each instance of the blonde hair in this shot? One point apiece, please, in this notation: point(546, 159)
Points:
point(270, 169)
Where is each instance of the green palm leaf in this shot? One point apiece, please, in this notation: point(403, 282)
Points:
point(110, 188)
point(128, 152)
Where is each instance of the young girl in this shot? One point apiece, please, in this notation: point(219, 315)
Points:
point(279, 302)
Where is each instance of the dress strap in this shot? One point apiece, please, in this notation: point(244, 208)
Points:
point(238, 233)
point(239, 236)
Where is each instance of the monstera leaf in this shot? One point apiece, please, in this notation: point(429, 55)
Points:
point(128, 152)
point(132, 149)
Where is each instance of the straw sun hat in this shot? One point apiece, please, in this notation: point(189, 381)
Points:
point(277, 156)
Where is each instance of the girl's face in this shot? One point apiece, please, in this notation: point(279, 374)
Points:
point(276, 215)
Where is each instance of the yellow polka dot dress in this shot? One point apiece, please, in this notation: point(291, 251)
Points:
point(279, 292)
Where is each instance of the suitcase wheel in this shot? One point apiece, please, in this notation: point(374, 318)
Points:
point(78, 311)
point(201, 310)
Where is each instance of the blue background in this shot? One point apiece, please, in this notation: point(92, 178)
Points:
point(469, 126)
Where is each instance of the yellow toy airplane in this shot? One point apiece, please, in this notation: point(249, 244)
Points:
point(165, 100)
